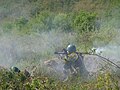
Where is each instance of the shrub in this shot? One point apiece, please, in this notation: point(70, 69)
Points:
point(61, 21)
point(84, 21)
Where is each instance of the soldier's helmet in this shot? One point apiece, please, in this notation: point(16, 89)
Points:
point(71, 48)
point(15, 69)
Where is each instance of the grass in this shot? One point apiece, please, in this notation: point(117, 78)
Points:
point(18, 81)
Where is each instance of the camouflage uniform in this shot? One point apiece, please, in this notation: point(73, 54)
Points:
point(71, 61)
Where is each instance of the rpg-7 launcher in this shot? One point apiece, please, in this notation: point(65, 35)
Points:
point(64, 52)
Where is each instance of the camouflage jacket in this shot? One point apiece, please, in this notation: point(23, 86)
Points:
point(72, 57)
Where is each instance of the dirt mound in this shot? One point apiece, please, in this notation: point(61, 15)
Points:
point(55, 64)
point(92, 63)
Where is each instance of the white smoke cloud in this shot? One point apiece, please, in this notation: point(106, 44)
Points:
point(15, 48)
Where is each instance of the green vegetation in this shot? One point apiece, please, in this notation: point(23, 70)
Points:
point(84, 22)
point(18, 81)
point(44, 26)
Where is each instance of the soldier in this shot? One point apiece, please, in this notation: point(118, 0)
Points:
point(74, 61)
point(70, 58)
point(17, 70)
point(26, 73)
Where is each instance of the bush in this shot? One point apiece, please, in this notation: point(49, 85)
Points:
point(20, 22)
point(17, 81)
point(61, 21)
point(41, 22)
point(84, 21)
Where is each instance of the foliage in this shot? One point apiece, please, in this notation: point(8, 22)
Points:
point(20, 22)
point(84, 24)
point(84, 21)
point(17, 81)
point(7, 27)
point(30, 8)
point(62, 22)
point(44, 22)
point(11, 80)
